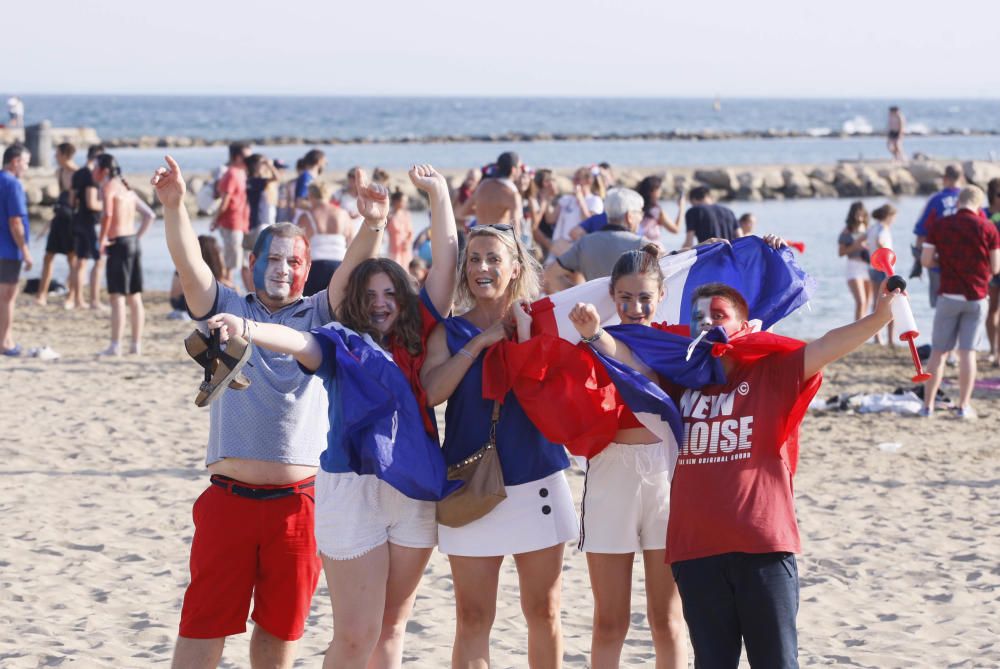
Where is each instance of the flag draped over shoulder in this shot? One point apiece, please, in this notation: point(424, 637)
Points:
point(770, 280)
point(575, 395)
point(375, 415)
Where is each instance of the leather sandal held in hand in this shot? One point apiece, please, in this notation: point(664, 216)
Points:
point(197, 345)
point(223, 366)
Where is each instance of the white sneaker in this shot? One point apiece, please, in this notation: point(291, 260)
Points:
point(111, 351)
point(46, 353)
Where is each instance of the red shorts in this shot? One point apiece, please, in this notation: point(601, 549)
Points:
point(264, 549)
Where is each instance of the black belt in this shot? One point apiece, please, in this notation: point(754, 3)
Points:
point(251, 492)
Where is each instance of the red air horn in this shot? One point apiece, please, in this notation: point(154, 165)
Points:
point(883, 260)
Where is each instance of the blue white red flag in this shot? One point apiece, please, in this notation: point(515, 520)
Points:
point(374, 414)
point(770, 280)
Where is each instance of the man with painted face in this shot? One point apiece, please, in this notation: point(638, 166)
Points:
point(254, 522)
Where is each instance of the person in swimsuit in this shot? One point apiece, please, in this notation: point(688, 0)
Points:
point(60, 240)
point(119, 241)
point(853, 244)
point(537, 517)
point(400, 230)
point(329, 231)
point(897, 128)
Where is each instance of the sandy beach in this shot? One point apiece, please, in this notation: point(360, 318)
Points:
point(102, 459)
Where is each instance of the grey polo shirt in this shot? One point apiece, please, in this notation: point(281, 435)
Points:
point(594, 255)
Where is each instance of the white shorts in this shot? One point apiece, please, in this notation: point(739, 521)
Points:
point(856, 269)
point(626, 500)
point(232, 248)
point(534, 516)
point(356, 514)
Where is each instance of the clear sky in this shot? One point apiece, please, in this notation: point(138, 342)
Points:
point(658, 48)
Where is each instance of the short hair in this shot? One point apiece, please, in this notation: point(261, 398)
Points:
point(698, 193)
point(884, 212)
point(528, 283)
point(620, 201)
point(971, 197)
point(66, 149)
point(287, 230)
point(953, 172)
point(312, 158)
point(94, 150)
point(993, 188)
point(13, 152)
point(893, 108)
point(319, 190)
point(506, 163)
point(746, 217)
point(644, 261)
point(726, 292)
point(236, 149)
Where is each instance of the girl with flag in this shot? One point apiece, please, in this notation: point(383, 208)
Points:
point(536, 518)
point(382, 470)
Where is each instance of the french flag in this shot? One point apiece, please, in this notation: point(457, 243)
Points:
point(375, 415)
point(771, 281)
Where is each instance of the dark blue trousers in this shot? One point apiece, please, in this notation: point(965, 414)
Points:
point(738, 598)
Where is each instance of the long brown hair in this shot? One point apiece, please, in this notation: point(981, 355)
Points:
point(857, 216)
point(353, 310)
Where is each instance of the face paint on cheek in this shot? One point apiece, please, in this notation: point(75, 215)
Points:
point(260, 250)
point(301, 270)
point(701, 316)
point(646, 308)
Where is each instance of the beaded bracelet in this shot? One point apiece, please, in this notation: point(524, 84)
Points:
point(594, 337)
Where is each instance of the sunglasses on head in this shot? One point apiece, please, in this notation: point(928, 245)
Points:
point(502, 227)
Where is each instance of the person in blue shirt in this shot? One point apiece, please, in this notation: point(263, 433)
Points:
point(943, 203)
point(497, 276)
point(13, 239)
point(313, 163)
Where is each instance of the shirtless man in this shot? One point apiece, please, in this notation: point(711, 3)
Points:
point(897, 128)
point(253, 535)
point(119, 241)
point(496, 199)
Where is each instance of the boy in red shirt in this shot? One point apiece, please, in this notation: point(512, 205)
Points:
point(732, 532)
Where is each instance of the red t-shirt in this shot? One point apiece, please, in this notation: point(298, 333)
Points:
point(237, 214)
point(963, 242)
point(732, 486)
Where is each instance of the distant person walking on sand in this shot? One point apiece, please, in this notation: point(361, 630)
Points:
point(313, 164)
point(233, 217)
point(941, 204)
point(60, 239)
point(119, 241)
point(897, 128)
point(14, 234)
point(15, 112)
point(400, 229)
point(86, 201)
point(966, 247)
point(879, 236)
point(328, 229)
point(705, 219)
point(853, 244)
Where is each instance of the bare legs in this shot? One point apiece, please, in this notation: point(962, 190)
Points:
point(266, 652)
point(137, 316)
point(861, 292)
point(611, 581)
point(966, 377)
point(993, 324)
point(372, 597)
point(476, 581)
point(43, 284)
point(8, 296)
point(75, 298)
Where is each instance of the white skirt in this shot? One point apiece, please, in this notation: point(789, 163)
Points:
point(534, 516)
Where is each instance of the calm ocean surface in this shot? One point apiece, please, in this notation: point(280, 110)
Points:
point(815, 222)
point(396, 118)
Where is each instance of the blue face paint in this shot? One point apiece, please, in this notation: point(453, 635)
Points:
point(260, 250)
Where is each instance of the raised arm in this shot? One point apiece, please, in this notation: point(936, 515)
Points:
point(441, 278)
point(146, 213)
point(278, 338)
point(373, 205)
point(837, 343)
point(196, 278)
point(587, 322)
point(442, 371)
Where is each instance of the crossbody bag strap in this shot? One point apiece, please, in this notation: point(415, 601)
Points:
point(494, 419)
